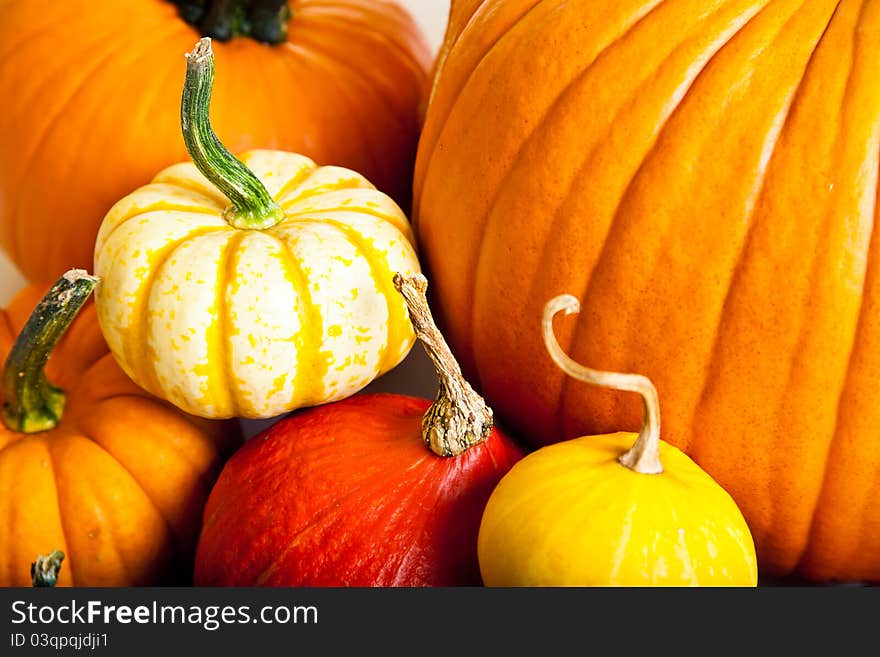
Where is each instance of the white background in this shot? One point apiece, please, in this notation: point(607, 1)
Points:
point(414, 376)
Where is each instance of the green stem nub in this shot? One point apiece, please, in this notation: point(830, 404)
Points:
point(30, 403)
point(263, 20)
point(44, 571)
point(252, 205)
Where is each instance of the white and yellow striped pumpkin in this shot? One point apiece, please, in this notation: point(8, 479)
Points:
point(257, 320)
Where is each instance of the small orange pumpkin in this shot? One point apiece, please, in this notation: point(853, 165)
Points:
point(103, 472)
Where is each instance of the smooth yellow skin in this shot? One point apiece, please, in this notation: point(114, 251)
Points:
point(571, 515)
point(226, 322)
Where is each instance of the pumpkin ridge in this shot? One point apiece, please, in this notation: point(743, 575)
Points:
point(293, 183)
point(18, 241)
point(74, 577)
point(146, 366)
point(526, 141)
point(311, 323)
point(386, 35)
point(208, 195)
point(177, 549)
point(404, 228)
point(792, 547)
point(314, 57)
point(576, 333)
point(872, 246)
point(711, 367)
point(382, 277)
point(443, 121)
point(346, 29)
point(229, 264)
point(558, 215)
point(582, 321)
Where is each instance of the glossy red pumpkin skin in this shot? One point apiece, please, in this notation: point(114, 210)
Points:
point(348, 494)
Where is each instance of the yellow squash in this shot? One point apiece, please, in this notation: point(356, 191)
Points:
point(612, 510)
point(254, 286)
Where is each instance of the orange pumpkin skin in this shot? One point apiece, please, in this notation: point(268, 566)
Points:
point(704, 177)
point(106, 77)
point(347, 494)
point(118, 486)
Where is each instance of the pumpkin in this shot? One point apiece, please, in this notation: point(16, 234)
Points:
point(620, 509)
point(337, 80)
point(91, 465)
point(252, 287)
point(379, 489)
point(703, 177)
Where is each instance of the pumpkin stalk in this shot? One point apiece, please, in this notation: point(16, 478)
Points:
point(459, 418)
point(252, 205)
point(44, 571)
point(30, 403)
point(644, 455)
point(263, 20)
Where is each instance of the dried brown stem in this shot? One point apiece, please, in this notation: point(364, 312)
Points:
point(459, 418)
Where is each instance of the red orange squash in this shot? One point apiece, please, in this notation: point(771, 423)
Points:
point(91, 465)
point(92, 93)
point(346, 494)
point(703, 175)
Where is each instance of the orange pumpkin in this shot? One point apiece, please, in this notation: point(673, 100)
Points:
point(704, 175)
point(113, 478)
point(91, 95)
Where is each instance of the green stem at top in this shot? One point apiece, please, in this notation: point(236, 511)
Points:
point(30, 403)
point(252, 205)
point(262, 20)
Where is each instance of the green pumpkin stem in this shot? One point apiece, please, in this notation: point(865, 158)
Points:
point(30, 403)
point(644, 455)
point(459, 418)
point(262, 20)
point(252, 205)
point(44, 571)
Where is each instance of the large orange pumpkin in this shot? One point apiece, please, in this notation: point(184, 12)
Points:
point(90, 464)
point(704, 175)
point(91, 103)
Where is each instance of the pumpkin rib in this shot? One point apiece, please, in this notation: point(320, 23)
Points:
point(527, 138)
point(294, 184)
point(145, 367)
point(20, 236)
point(410, 52)
point(436, 134)
point(566, 196)
point(311, 324)
point(794, 552)
point(71, 563)
point(871, 247)
point(739, 263)
point(37, 439)
point(310, 56)
point(176, 549)
point(582, 322)
point(396, 222)
point(315, 50)
point(223, 348)
point(382, 277)
point(18, 240)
